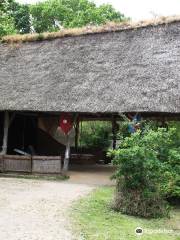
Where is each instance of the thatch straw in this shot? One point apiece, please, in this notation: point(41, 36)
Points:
point(108, 27)
point(122, 71)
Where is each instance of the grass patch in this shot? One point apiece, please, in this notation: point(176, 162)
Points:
point(93, 219)
point(36, 177)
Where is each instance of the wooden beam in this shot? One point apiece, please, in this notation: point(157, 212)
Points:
point(68, 146)
point(67, 155)
point(114, 131)
point(12, 118)
point(5, 137)
point(76, 134)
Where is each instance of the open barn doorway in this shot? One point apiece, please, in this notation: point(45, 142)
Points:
point(93, 140)
point(88, 161)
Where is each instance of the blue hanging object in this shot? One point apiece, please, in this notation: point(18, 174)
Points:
point(132, 126)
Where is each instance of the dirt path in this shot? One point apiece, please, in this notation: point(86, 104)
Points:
point(36, 209)
point(96, 175)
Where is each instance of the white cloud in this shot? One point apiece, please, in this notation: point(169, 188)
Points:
point(139, 9)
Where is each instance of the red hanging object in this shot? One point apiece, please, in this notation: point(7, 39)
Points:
point(66, 122)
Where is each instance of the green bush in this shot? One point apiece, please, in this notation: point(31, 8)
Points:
point(6, 24)
point(171, 185)
point(95, 135)
point(169, 155)
point(144, 160)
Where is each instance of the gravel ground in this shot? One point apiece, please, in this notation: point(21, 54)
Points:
point(37, 209)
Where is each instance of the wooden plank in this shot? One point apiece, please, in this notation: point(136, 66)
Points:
point(1, 163)
point(16, 163)
point(46, 164)
point(5, 136)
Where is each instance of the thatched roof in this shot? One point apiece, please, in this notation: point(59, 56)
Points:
point(130, 70)
point(108, 27)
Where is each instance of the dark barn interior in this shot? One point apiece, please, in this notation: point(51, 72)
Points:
point(22, 134)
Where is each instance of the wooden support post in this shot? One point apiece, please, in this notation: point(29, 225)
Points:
point(114, 132)
point(67, 155)
point(77, 134)
point(5, 137)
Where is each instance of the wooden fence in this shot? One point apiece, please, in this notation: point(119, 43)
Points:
point(30, 164)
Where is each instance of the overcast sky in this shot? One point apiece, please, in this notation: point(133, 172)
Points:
point(139, 9)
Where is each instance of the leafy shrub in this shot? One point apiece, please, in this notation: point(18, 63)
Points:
point(144, 160)
point(171, 185)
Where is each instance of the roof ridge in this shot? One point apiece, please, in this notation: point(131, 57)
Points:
point(108, 27)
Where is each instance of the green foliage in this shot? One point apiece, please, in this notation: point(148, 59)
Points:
point(42, 17)
point(171, 186)
point(147, 170)
point(51, 15)
point(171, 171)
point(138, 158)
point(14, 18)
point(95, 135)
point(6, 22)
point(21, 15)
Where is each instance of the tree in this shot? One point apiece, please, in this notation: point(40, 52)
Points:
point(53, 14)
point(14, 18)
point(21, 15)
point(6, 22)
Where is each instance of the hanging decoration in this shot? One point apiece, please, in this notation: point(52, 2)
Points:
point(135, 123)
point(66, 122)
